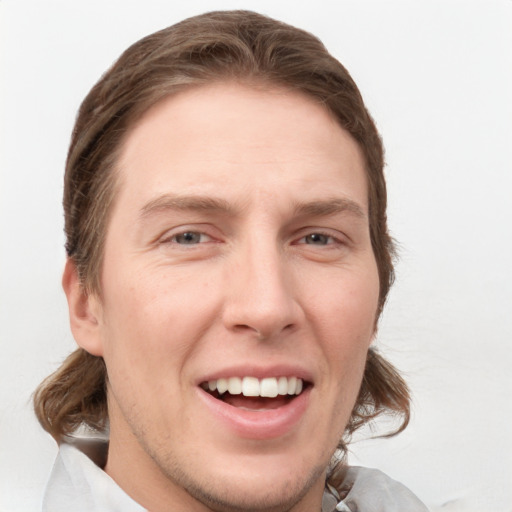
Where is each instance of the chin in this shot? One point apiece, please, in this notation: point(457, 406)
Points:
point(253, 489)
point(255, 494)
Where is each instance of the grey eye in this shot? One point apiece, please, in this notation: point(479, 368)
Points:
point(317, 239)
point(188, 238)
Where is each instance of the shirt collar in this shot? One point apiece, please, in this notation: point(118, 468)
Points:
point(79, 484)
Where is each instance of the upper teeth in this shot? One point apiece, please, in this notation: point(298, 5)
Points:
point(251, 386)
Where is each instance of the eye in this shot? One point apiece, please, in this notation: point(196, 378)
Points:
point(318, 239)
point(189, 238)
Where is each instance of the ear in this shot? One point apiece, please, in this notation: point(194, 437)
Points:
point(84, 311)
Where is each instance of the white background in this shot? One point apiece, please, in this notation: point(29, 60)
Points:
point(437, 77)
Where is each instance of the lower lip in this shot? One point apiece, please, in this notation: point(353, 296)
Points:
point(262, 424)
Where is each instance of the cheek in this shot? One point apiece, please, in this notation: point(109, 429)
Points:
point(153, 315)
point(349, 309)
point(348, 324)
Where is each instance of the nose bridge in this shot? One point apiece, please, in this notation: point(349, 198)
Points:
point(261, 289)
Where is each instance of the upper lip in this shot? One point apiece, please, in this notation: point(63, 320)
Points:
point(260, 372)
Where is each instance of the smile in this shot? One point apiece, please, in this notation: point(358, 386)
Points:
point(269, 387)
point(256, 408)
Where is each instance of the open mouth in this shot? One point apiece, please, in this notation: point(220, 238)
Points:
point(251, 393)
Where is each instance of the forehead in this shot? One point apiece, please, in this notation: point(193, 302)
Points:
point(227, 137)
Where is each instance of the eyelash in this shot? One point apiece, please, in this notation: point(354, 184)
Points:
point(173, 239)
point(331, 240)
point(201, 238)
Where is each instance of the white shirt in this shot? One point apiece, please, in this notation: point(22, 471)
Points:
point(78, 484)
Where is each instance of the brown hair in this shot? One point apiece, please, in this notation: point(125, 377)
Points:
point(233, 45)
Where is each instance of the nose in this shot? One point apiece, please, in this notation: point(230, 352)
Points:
point(261, 297)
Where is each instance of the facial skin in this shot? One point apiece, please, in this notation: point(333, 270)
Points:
point(238, 246)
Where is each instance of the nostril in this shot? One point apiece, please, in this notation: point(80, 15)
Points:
point(264, 332)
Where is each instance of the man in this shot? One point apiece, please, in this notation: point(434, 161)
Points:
point(228, 259)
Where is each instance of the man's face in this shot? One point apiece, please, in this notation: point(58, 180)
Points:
point(238, 252)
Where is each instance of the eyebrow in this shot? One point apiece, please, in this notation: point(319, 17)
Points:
point(185, 203)
point(315, 208)
point(326, 207)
